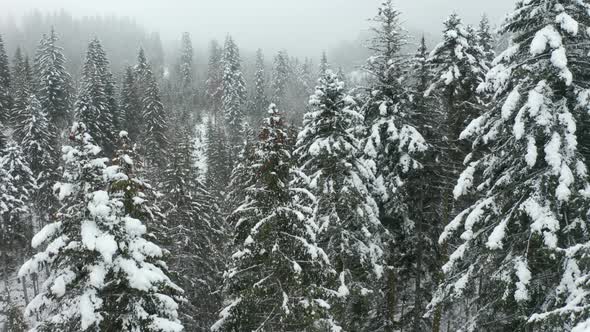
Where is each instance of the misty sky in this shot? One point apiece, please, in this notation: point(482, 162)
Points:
point(302, 26)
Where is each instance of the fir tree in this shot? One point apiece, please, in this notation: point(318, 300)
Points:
point(185, 67)
point(458, 66)
point(5, 100)
point(394, 147)
point(195, 234)
point(131, 107)
point(17, 186)
point(280, 78)
point(105, 275)
point(218, 160)
point(234, 91)
point(21, 87)
point(259, 100)
point(346, 214)
point(92, 106)
point(485, 39)
point(274, 280)
point(214, 83)
point(52, 82)
point(156, 125)
point(519, 262)
point(324, 65)
point(39, 147)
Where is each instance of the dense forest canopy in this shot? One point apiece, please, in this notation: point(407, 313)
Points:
point(420, 183)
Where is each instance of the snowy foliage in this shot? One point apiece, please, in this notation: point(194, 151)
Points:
point(330, 155)
point(530, 177)
point(97, 251)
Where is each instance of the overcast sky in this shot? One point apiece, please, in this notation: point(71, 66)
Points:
point(299, 25)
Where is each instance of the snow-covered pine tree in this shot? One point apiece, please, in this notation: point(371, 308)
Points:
point(53, 84)
point(110, 89)
point(234, 92)
point(39, 142)
point(458, 65)
point(521, 263)
point(185, 68)
point(393, 148)
point(5, 98)
point(324, 64)
point(194, 234)
point(21, 88)
point(214, 83)
point(259, 100)
point(104, 274)
point(155, 119)
point(219, 167)
point(330, 155)
point(131, 107)
point(92, 104)
point(17, 186)
point(276, 273)
point(486, 39)
point(280, 78)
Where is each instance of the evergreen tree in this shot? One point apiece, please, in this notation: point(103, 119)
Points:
point(105, 275)
point(393, 148)
point(520, 261)
point(346, 214)
point(259, 100)
point(156, 125)
point(52, 82)
point(218, 160)
point(131, 107)
point(324, 65)
point(39, 148)
point(5, 100)
point(214, 83)
point(21, 87)
point(280, 79)
point(274, 280)
point(185, 67)
point(92, 106)
point(458, 67)
point(234, 91)
point(194, 234)
point(17, 186)
point(485, 40)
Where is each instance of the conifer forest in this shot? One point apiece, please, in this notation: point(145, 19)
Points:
point(440, 184)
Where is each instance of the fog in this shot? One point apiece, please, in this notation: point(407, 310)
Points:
point(304, 27)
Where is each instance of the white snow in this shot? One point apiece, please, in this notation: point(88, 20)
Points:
point(544, 37)
point(544, 221)
point(567, 23)
point(45, 234)
point(495, 239)
point(531, 154)
point(524, 278)
point(511, 103)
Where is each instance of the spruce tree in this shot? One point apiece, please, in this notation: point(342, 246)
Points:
point(16, 189)
point(194, 233)
point(259, 100)
point(131, 107)
point(458, 66)
point(520, 259)
point(39, 141)
point(394, 147)
point(347, 216)
point(218, 160)
point(156, 126)
point(52, 82)
point(92, 106)
point(234, 92)
point(214, 83)
point(104, 274)
point(185, 67)
point(5, 98)
point(280, 78)
point(276, 273)
point(21, 89)
point(324, 64)
point(485, 39)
